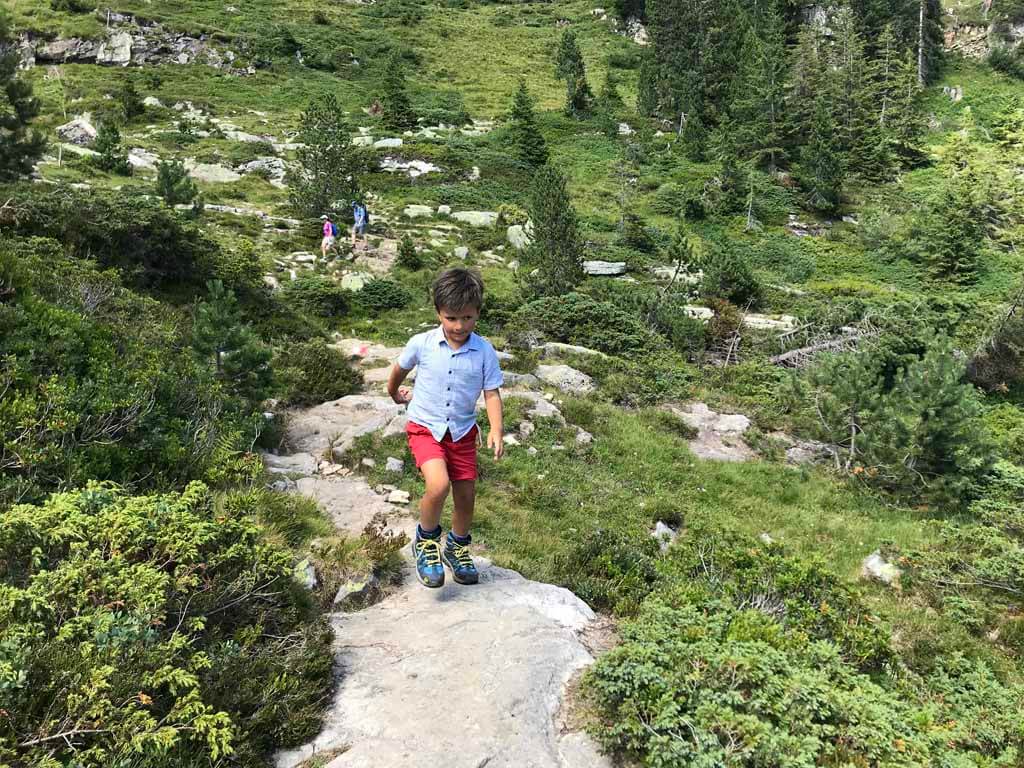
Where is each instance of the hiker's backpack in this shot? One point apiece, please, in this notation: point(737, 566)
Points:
point(334, 229)
point(366, 215)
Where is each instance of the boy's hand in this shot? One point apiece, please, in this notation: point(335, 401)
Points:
point(403, 397)
point(495, 441)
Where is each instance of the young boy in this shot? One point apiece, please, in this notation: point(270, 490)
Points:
point(454, 366)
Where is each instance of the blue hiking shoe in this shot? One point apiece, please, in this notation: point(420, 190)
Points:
point(429, 569)
point(456, 556)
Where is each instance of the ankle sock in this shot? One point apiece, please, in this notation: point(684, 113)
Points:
point(434, 534)
point(462, 540)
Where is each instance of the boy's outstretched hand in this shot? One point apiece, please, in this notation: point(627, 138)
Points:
point(403, 397)
point(495, 441)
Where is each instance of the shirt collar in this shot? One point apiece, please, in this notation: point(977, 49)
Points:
point(473, 342)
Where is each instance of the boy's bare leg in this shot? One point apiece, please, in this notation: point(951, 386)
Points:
point(435, 475)
point(464, 498)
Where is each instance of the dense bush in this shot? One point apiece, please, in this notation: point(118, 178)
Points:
point(153, 246)
point(999, 364)
point(381, 294)
point(611, 569)
point(156, 630)
point(747, 656)
point(727, 275)
point(317, 295)
point(310, 373)
point(579, 319)
point(95, 381)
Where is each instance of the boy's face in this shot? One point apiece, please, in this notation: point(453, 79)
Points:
point(458, 323)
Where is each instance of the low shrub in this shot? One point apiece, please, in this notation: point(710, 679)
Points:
point(727, 275)
point(381, 294)
point(317, 295)
point(611, 570)
point(310, 373)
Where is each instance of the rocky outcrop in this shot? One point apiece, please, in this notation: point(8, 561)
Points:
point(719, 435)
point(604, 268)
point(330, 428)
point(567, 379)
point(80, 131)
point(518, 643)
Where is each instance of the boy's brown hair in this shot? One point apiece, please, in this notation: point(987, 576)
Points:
point(458, 287)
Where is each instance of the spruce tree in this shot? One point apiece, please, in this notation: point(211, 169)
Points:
point(398, 112)
point(553, 261)
point(820, 171)
point(647, 84)
point(327, 178)
point(758, 104)
point(610, 100)
point(569, 66)
point(526, 139)
point(112, 157)
point(20, 147)
point(173, 183)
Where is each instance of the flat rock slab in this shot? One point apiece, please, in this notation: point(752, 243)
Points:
point(366, 351)
point(719, 435)
point(351, 503)
point(566, 378)
point(495, 658)
point(332, 426)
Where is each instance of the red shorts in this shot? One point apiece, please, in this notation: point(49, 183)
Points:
point(458, 455)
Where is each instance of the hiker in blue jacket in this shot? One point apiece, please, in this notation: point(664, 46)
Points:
point(360, 220)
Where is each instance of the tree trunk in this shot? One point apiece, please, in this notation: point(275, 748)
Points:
point(920, 44)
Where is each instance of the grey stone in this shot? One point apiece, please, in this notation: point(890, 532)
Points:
point(399, 497)
point(520, 380)
point(349, 501)
point(334, 425)
point(65, 50)
point(875, 567)
point(665, 534)
point(387, 143)
point(368, 462)
point(558, 349)
point(566, 378)
point(719, 435)
point(115, 50)
point(302, 257)
point(460, 252)
point(541, 408)
point(510, 440)
point(519, 235)
point(476, 218)
point(80, 131)
point(212, 173)
point(152, 101)
point(519, 643)
point(299, 463)
point(354, 281)
point(394, 465)
point(526, 428)
point(417, 211)
point(444, 210)
point(604, 268)
point(142, 159)
point(305, 574)
point(625, 130)
point(362, 141)
point(273, 168)
point(412, 168)
point(532, 451)
point(583, 437)
point(355, 592)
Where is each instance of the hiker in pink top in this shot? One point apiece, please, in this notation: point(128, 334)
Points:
point(330, 232)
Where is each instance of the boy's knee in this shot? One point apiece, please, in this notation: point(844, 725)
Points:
point(437, 489)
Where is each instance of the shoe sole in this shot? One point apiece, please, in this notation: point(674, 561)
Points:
point(455, 575)
point(420, 578)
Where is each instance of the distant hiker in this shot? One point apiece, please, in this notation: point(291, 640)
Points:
point(360, 220)
point(330, 230)
point(454, 365)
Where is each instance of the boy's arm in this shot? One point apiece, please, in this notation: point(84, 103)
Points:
point(398, 393)
point(495, 439)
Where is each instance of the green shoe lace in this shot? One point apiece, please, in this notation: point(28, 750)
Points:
point(461, 555)
point(428, 552)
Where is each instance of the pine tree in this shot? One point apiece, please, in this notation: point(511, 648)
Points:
point(524, 136)
point(329, 166)
point(553, 261)
point(398, 112)
point(953, 231)
point(20, 147)
point(131, 103)
point(569, 66)
point(807, 80)
point(647, 84)
point(173, 183)
point(610, 100)
point(112, 157)
point(408, 257)
point(758, 104)
point(820, 171)
point(239, 358)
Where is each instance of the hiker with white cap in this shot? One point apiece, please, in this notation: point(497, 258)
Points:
point(330, 232)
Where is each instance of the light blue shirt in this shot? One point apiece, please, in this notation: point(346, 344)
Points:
point(449, 381)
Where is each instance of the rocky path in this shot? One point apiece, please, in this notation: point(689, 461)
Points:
point(462, 676)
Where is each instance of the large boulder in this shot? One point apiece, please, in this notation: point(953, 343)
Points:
point(416, 211)
point(273, 168)
point(80, 131)
point(476, 218)
point(558, 349)
point(876, 568)
point(331, 428)
point(115, 50)
point(604, 268)
point(211, 173)
point(520, 235)
point(566, 378)
point(719, 435)
point(517, 643)
point(67, 50)
point(349, 501)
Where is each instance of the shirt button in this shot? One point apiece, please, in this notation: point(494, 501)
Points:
point(447, 404)
point(449, 373)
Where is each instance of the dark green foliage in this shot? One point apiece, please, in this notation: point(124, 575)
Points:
point(330, 167)
point(610, 100)
point(727, 275)
point(525, 138)
point(408, 257)
point(569, 66)
point(553, 261)
point(907, 423)
point(310, 373)
point(579, 319)
point(1009, 61)
point(73, 6)
point(820, 171)
point(998, 365)
point(173, 184)
point(153, 246)
point(113, 157)
point(95, 381)
point(398, 113)
point(647, 103)
point(949, 236)
point(381, 294)
point(630, 8)
point(20, 147)
point(130, 101)
point(611, 570)
point(165, 623)
point(238, 358)
point(317, 295)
